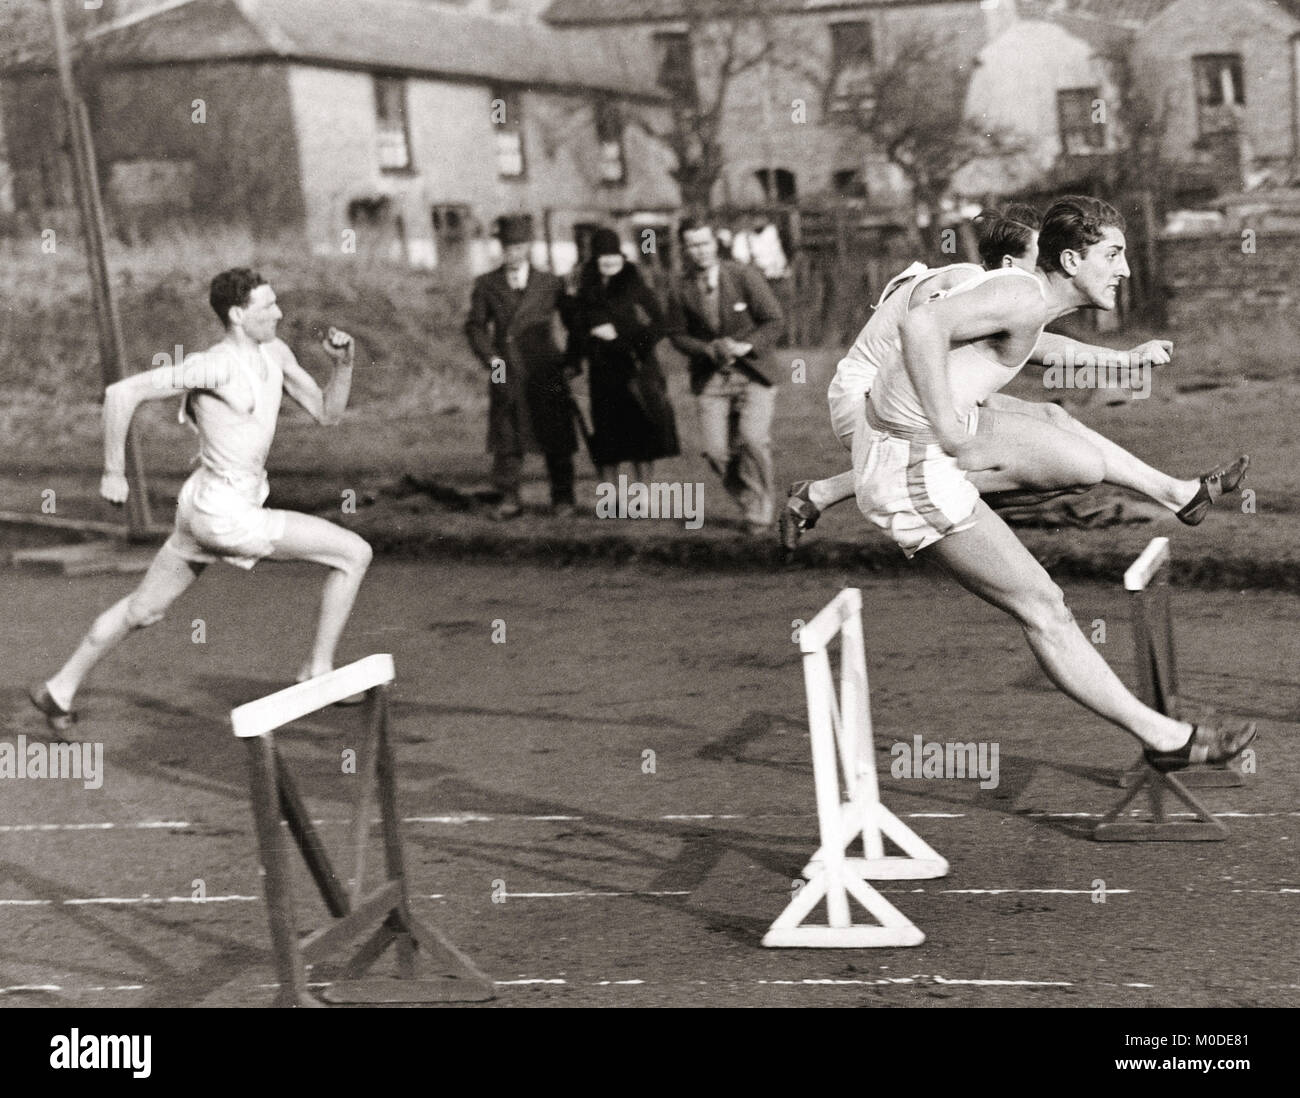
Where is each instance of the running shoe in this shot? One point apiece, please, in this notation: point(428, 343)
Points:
point(798, 516)
point(1213, 486)
point(1209, 743)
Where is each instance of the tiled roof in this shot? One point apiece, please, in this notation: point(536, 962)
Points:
point(1130, 13)
point(398, 35)
point(574, 12)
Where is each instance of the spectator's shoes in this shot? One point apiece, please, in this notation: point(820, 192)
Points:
point(56, 716)
point(798, 516)
point(506, 510)
point(1209, 743)
point(1214, 485)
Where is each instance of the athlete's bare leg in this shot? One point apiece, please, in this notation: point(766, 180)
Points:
point(989, 560)
point(167, 578)
point(1019, 455)
point(1120, 467)
point(307, 537)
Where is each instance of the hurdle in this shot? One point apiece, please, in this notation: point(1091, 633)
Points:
point(1147, 582)
point(385, 911)
point(848, 802)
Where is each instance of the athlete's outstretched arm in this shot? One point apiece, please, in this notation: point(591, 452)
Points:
point(326, 405)
point(122, 398)
point(1053, 349)
point(932, 329)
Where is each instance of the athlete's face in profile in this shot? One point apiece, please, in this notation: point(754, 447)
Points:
point(1099, 270)
point(259, 317)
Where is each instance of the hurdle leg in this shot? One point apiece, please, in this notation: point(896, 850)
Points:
point(290, 970)
point(365, 776)
point(414, 933)
point(313, 850)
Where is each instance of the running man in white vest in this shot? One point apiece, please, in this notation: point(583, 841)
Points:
point(232, 398)
point(916, 452)
point(1057, 456)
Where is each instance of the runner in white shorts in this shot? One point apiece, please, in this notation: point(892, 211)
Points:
point(1055, 456)
point(231, 397)
point(919, 444)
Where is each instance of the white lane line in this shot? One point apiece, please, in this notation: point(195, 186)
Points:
point(580, 895)
point(1034, 892)
point(142, 825)
point(150, 901)
point(518, 983)
point(808, 982)
point(462, 818)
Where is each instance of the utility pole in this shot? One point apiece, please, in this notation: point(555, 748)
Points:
point(112, 352)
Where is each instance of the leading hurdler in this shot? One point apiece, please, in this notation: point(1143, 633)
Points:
point(232, 399)
point(916, 453)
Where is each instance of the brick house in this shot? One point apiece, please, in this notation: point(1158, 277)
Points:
point(390, 125)
point(768, 153)
point(1228, 80)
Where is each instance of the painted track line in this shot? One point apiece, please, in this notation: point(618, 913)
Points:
point(147, 900)
point(919, 980)
point(464, 818)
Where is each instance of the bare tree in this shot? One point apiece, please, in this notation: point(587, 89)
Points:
point(724, 40)
point(911, 107)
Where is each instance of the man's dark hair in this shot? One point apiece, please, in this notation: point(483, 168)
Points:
point(231, 288)
point(1009, 231)
point(690, 224)
point(1074, 223)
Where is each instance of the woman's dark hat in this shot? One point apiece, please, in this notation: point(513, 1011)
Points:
point(605, 242)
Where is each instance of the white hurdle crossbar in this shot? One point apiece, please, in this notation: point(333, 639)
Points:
point(844, 760)
point(257, 718)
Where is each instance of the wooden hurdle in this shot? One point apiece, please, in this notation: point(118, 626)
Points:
point(1147, 581)
point(383, 913)
point(848, 802)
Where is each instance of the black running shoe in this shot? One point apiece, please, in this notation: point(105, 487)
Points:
point(1213, 486)
point(798, 516)
point(1209, 743)
point(56, 717)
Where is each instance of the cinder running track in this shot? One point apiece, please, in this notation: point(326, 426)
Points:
point(539, 839)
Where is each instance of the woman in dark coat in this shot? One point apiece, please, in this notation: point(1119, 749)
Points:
point(618, 321)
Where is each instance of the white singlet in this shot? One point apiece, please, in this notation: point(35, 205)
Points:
point(905, 483)
point(876, 344)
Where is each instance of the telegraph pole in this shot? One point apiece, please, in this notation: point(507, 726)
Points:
point(112, 352)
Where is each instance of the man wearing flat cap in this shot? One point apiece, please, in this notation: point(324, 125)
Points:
point(516, 323)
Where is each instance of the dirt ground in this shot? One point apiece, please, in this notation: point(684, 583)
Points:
point(540, 838)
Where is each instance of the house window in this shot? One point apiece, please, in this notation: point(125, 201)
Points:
point(848, 183)
point(852, 52)
point(508, 124)
point(609, 135)
point(777, 183)
point(676, 64)
point(1220, 91)
point(1075, 112)
point(390, 117)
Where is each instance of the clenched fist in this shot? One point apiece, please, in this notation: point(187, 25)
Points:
point(113, 487)
point(339, 346)
point(1154, 352)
